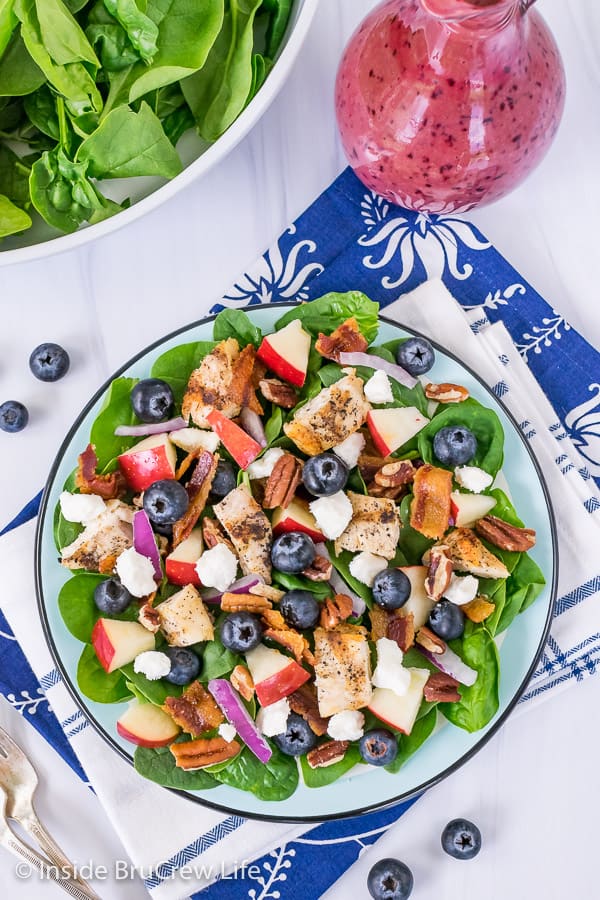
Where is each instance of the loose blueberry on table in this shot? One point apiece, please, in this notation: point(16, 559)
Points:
point(461, 839)
point(49, 362)
point(390, 879)
point(13, 416)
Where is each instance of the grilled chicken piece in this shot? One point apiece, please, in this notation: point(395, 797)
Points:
point(375, 526)
point(97, 547)
point(225, 380)
point(249, 530)
point(184, 619)
point(330, 417)
point(342, 669)
point(468, 554)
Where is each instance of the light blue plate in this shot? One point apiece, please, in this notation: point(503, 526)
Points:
point(446, 750)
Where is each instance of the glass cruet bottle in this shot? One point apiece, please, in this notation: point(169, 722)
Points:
point(443, 105)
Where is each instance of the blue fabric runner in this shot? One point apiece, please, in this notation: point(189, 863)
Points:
point(352, 239)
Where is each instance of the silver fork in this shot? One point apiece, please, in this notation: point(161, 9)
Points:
point(18, 779)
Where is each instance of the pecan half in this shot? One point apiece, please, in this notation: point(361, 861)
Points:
point(335, 610)
point(241, 680)
point(290, 639)
point(320, 569)
point(441, 688)
point(90, 482)
point(244, 603)
point(195, 710)
point(268, 591)
point(446, 392)
point(430, 641)
point(282, 482)
point(478, 609)
point(505, 536)
point(304, 702)
point(369, 464)
point(277, 392)
point(439, 573)
point(203, 752)
point(401, 629)
point(346, 338)
point(388, 493)
point(149, 618)
point(327, 754)
point(213, 534)
point(397, 473)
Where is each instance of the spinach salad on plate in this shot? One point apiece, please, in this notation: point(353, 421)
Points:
point(291, 554)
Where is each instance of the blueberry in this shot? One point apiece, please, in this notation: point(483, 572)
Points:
point(185, 665)
point(447, 620)
point(165, 501)
point(455, 445)
point(13, 416)
point(293, 552)
point(324, 474)
point(416, 355)
point(378, 747)
point(461, 839)
point(300, 609)
point(298, 737)
point(111, 596)
point(152, 400)
point(390, 879)
point(224, 480)
point(240, 632)
point(391, 588)
point(49, 362)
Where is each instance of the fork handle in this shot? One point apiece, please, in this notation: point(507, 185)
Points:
point(34, 827)
point(19, 848)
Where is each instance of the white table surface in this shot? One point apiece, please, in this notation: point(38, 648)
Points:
point(534, 788)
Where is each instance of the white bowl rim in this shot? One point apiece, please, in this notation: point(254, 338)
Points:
point(217, 151)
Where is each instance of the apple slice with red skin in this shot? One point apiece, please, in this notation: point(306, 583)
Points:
point(275, 675)
point(418, 603)
point(236, 441)
point(152, 459)
point(400, 712)
point(391, 428)
point(296, 517)
point(286, 352)
point(466, 509)
point(118, 642)
point(146, 725)
point(180, 565)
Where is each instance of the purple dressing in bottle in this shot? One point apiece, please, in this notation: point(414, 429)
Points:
point(443, 105)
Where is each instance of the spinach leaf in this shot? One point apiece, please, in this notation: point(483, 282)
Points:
point(217, 660)
point(235, 323)
point(19, 73)
point(296, 583)
point(12, 218)
point(278, 24)
point(158, 765)
point(523, 587)
point(341, 564)
point(140, 29)
point(410, 743)
point(176, 365)
point(218, 92)
point(116, 410)
point(77, 607)
point(127, 144)
point(493, 590)
point(327, 312)
point(155, 692)
point(478, 704)
point(41, 111)
point(274, 780)
point(8, 23)
point(96, 684)
point(65, 532)
point(62, 36)
point(483, 422)
point(274, 425)
point(111, 43)
point(319, 777)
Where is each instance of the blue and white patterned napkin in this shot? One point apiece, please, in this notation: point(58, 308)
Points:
point(348, 239)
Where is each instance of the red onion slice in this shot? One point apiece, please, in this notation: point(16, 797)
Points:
point(252, 425)
point(451, 664)
point(339, 585)
point(150, 428)
point(242, 586)
point(144, 541)
point(229, 701)
point(376, 362)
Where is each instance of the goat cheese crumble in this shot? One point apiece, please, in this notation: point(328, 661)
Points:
point(136, 573)
point(217, 567)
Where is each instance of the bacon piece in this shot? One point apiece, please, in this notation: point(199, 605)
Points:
point(245, 380)
point(198, 488)
point(195, 710)
point(401, 629)
point(430, 508)
point(346, 338)
point(304, 702)
point(109, 487)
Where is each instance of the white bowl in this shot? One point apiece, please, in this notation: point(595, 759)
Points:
point(198, 157)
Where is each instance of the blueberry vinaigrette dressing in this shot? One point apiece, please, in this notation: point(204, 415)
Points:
point(443, 105)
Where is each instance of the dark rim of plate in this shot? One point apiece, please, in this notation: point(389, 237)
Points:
point(400, 798)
